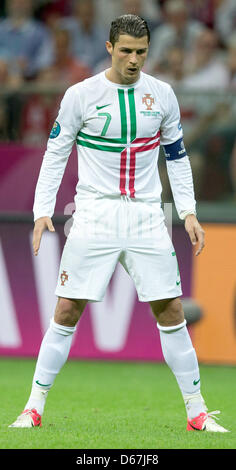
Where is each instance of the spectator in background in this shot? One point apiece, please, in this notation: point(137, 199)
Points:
point(107, 10)
point(39, 109)
point(9, 76)
point(86, 35)
point(178, 29)
point(51, 14)
point(225, 19)
point(64, 69)
point(10, 81)
point(140, 8)
point(23, 40)
point(36, 118)
point(45, 8)
point(173, 67)
point(217, 145)
point(206, 66)
point(203, 11)
point(231, 62)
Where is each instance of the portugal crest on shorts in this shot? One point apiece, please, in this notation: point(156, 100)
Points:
point(148, 100)
point(64, 278)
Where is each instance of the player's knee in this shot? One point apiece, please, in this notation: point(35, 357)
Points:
point(169, 312)
point(173, 314)
point(68, 311)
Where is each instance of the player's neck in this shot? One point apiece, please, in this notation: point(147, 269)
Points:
point(112, 75)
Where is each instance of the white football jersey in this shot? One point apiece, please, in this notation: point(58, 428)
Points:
point(118, 130)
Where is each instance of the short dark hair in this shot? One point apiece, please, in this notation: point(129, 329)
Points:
point(128, 24)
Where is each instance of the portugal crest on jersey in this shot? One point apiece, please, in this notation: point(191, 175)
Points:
point(148, 100)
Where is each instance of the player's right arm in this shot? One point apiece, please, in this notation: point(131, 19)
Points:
point(59, 146)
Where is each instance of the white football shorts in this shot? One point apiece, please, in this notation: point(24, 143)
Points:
point(106, 231)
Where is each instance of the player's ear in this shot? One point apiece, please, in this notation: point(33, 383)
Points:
point(109, 47)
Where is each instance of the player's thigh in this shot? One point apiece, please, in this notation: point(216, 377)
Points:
point(153, 266)
point(86, 267)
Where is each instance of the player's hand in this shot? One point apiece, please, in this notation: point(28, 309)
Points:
point(196, 232)
point(40, 225)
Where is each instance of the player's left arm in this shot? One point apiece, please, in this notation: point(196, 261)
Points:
point(180, 173)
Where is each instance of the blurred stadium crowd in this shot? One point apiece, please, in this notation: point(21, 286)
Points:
point(48, 45)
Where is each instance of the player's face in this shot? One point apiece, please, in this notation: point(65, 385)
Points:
point(128, 56)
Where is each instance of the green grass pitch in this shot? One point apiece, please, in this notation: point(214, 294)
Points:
point(114, 405)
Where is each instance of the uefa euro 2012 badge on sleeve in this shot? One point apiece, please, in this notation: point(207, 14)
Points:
point(56, 129)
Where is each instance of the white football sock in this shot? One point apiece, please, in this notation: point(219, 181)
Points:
point(181, 357)
point(194, 405)
point(53, 354)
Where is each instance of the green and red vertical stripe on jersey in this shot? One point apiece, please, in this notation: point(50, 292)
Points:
point(96, 142)
point(133, 151)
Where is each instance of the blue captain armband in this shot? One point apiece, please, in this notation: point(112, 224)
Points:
point(175, 151)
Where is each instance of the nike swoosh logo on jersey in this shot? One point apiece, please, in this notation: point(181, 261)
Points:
point(103, 106)
point(178, 283)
